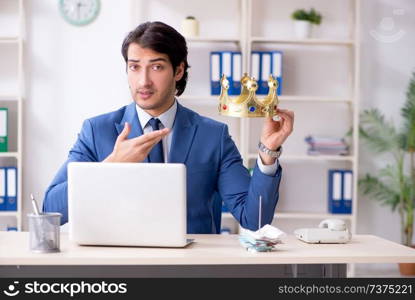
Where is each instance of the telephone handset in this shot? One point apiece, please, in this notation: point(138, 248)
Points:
point(329, 231)
point(333, 224)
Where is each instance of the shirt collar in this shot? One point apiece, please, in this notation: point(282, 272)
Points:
point(166, 118)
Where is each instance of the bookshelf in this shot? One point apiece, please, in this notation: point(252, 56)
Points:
point(11, 95)
point(299, 215)
point(324, 42)
point(346, 101)
point(247, 25)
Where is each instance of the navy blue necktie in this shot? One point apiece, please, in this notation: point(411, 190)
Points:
point(156, 154)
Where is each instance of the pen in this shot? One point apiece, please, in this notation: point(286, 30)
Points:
point(260, 211)
point(34, 204)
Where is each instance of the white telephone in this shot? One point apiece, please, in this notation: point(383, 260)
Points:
point(329, 231)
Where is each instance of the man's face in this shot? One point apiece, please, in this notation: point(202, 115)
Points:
point(152, 79)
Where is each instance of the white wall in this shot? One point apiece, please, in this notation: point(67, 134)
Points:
point(75, 73)
point(387, 62)
point(386, 69)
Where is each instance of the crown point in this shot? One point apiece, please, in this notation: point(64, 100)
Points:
point(247, 104)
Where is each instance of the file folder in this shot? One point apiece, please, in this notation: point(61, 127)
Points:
point(227, 66)
point(235, 88)
point(335, 192)
point(215, 73)
point(3, 129)
point(347, 191)
point(256, 65)
point(11, 228)
point(277, 69)
point(265, 72)
point(11, 189)
point(2, 188)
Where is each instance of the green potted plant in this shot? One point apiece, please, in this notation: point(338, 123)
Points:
point(394, 184)
point(303, 21)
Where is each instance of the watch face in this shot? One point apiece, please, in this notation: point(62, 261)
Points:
point(79, 12)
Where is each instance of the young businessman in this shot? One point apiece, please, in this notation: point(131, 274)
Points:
point(156, 128)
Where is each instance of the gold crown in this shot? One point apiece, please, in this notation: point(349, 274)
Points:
point(247, 104)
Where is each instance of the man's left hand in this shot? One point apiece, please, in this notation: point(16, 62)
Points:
point(274, 133)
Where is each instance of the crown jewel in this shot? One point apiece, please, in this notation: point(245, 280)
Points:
point(247, 105)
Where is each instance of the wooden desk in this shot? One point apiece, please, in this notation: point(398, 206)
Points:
point(208, 256)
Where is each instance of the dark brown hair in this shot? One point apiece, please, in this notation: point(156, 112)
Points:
point(161, 38)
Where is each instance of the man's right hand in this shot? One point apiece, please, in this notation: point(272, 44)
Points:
point(136, 149)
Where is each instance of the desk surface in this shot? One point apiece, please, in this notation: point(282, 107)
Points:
point(206, 250)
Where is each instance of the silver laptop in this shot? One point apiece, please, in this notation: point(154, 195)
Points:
point(127, 204)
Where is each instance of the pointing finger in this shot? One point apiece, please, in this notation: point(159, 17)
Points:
point(125, 132)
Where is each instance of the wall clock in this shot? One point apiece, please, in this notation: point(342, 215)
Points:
point(79, 12)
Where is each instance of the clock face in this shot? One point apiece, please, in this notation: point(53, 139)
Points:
point(79, 12)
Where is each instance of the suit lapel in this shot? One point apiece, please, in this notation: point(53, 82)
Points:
point(183, 134)
point(130, 116)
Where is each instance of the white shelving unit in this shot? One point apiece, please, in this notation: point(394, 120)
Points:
point(238, 32)
point(325, 42)
point(351, 44)
point(282, 98)
point(300, 215)
point(12, 91)
point(213, 40)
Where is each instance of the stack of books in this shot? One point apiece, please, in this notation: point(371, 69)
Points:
point(323, 145)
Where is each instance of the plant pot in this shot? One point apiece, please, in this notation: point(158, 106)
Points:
point(302, 29)
point(407, 269)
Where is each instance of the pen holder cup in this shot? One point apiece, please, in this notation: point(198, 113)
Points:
point(44, 232)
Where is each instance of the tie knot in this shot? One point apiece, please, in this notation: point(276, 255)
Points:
point(154, 123)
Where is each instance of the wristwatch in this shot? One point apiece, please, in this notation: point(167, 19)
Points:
point(272, 153)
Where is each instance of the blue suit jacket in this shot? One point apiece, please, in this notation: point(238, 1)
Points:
point(214, 166)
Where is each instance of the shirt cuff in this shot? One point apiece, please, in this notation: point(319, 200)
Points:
point(267, 169)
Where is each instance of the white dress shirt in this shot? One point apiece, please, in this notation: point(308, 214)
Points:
point(167, 120)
